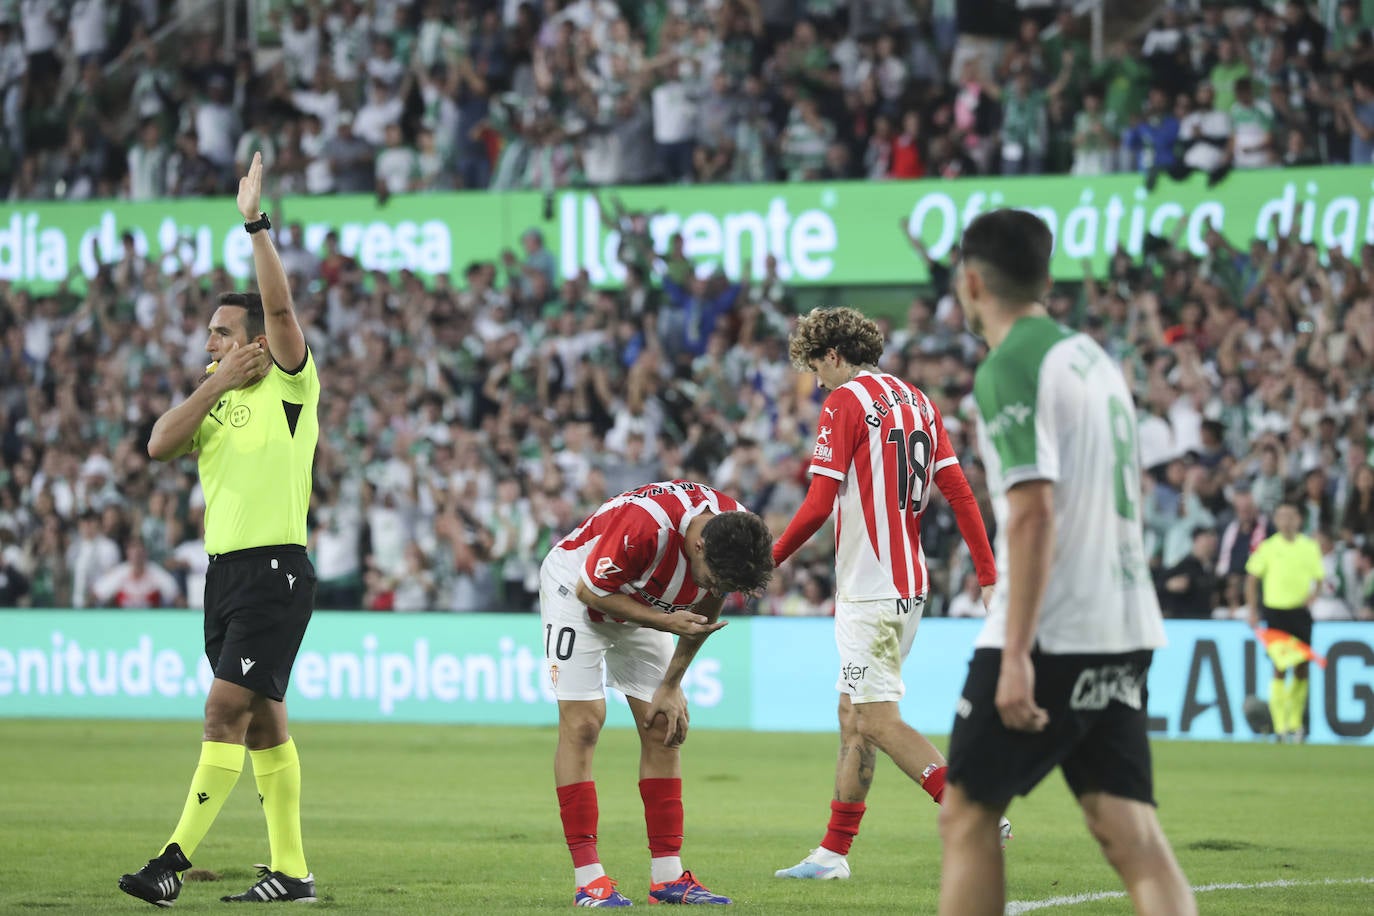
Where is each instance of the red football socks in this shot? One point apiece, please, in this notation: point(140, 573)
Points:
point(577, 807)
point(933, 781)
point(844, 826)
point(663, 815)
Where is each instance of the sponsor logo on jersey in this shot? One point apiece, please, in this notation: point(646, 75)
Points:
point(605, 566)
point(823, 453)
point(830, 410)
point(659, 603)
point(1008, 417)
point(823, 437)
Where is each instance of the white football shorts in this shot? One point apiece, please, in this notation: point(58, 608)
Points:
point(874, 639)
point(635, 658)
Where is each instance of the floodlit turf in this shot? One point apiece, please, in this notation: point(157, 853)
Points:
point(403, 819)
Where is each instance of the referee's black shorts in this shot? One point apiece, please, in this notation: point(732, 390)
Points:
point(1097, 731)
point(258, 603)
point(1295, 622)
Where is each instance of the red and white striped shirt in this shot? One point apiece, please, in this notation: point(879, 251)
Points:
point(884, 441)
point(635, 545)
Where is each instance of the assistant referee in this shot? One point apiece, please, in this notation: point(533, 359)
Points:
point(253, 422)
point(1286, 570)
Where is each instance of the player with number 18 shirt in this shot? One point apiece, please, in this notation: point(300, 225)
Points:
point(880, 447)
point(885, 442)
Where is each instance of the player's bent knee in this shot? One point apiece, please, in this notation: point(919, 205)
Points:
point(654, 745)
point(581, 730)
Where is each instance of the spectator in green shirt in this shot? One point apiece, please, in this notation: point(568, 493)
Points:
point(1078, 62)
point(1228, 69)
point(1342, 42)
point(1024, 128)
point(1126, 79)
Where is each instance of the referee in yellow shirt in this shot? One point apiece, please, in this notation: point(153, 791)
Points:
point(1288, 567)
point(253, 422)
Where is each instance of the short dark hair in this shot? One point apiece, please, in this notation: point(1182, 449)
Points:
point(254, 321)
point(739, 550)
point(1012, 249)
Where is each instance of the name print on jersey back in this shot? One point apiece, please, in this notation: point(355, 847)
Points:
point(884, 441)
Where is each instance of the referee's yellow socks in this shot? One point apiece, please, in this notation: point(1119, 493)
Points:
point(218, 770)
point(1297, 703)
point(1278, 705)
point(278, 773)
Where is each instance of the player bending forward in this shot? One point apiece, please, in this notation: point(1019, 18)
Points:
point(880, 445)
point(650, 563)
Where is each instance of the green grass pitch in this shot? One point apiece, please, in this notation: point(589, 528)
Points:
point(428, 819)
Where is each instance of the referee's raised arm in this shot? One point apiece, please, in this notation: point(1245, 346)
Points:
point(284, 337)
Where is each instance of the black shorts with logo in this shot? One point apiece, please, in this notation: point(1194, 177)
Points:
point(258, 603)
point(1097, 707)
point(1297, 622)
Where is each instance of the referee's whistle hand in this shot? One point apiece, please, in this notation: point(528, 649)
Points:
point(242, 366)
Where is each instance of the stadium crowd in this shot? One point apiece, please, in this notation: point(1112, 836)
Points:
point(468, 423)
point(395, 95)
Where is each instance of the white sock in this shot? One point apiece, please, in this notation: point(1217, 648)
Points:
point(823, 856)
point(665, 868)
point(586, 874)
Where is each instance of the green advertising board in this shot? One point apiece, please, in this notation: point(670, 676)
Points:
point(42, 245)
point(843, 233)
point(458, 668)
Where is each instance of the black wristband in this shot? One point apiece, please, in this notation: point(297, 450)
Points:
point(257, 225)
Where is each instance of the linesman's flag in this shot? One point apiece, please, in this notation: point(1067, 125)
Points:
point(1286, 650)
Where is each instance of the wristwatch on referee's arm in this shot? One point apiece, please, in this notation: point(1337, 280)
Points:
point(257, 225)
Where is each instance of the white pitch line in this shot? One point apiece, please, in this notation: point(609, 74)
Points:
point(1016, 907)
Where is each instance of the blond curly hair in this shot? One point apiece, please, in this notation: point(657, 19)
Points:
point(846, 330)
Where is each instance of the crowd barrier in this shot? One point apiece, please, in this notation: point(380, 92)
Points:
point(822, 234)
point(768, 674)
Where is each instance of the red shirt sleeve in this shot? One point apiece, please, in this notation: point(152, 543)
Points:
point(621, 552)
point(815, 509)
point(949, 477)
point(837, 435)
